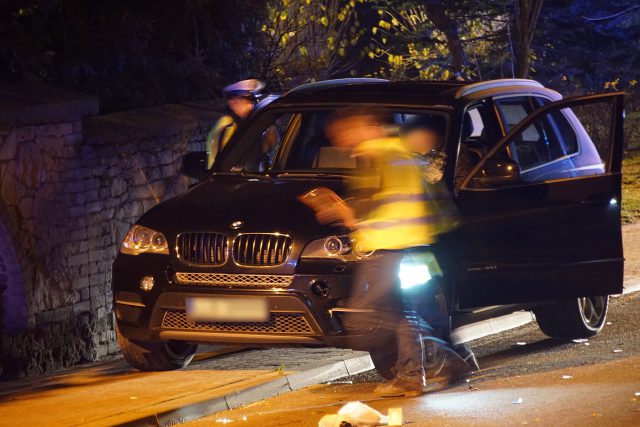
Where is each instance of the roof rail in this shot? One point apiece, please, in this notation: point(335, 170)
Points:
point(327, 84)
point(492, 84)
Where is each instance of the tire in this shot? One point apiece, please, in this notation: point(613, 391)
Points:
point(573, 318)
point(160, 356)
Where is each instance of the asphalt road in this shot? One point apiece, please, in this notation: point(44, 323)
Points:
point(526, 379)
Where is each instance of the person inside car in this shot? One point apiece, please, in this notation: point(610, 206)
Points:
point(388, 216)
point(241, 99)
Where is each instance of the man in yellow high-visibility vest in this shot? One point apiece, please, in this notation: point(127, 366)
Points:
point(241, 99)
point(388, 214)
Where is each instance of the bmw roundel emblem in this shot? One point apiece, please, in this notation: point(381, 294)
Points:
point(237, 224)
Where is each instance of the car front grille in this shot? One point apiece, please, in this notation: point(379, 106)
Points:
point(261, 249)
point(234, 280)
point(279, 324)
point(203, 248)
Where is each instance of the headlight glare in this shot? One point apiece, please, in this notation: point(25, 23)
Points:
point(141, 239)
point(412, 273)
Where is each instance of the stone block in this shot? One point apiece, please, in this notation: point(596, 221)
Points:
point(77, 260)
point(82, 307)
point(9, 146)
point(81, 282)
point(25, 133)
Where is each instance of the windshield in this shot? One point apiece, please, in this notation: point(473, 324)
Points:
point(297, 141)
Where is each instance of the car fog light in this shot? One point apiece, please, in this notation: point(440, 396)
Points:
point(146, 283)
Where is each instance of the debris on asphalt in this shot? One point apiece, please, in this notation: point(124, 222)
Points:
point(637, 393)
point(567, 377)
point(394, 417)
point(580, 340)
point(518, 401)
point(608, 323)
point(354, 414)
point(521, 343)
point(617, 350)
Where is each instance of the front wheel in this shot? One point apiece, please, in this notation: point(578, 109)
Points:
point(160, 356)
point(573, 318)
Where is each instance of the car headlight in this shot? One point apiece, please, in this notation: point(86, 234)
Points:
point(338, 247)
point(141, 239)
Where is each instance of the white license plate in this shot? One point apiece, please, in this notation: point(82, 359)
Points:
point(227, 309)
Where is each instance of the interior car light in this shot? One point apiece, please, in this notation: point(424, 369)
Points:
point(141, 239)
point(412, 274)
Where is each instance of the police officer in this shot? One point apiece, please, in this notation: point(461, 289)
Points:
point(241, 99)
point(388, 215)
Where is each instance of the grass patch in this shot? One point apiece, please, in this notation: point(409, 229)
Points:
point(631, 187)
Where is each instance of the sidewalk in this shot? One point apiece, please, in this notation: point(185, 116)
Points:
point(111, 393)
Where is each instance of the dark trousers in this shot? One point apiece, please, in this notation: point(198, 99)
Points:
point(377, 288)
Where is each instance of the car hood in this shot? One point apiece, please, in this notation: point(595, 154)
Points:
point(262, 205)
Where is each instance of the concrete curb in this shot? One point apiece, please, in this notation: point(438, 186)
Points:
point(310, 375)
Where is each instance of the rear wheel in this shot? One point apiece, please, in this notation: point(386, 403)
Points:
point(160, 356)
point(573, 318)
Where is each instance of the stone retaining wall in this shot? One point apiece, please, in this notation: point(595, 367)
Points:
point(71, 185)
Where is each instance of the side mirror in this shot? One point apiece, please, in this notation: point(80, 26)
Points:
point(194, 165)
point(498, 172)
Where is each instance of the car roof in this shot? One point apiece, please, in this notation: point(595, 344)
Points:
point(443, 94)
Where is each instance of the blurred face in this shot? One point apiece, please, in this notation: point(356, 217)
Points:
point(421, 141)
point(241, 107)
point(349, 132)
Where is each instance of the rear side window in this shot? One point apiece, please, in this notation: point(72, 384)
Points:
point(545, 141)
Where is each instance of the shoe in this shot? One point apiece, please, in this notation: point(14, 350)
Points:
point(399, 387)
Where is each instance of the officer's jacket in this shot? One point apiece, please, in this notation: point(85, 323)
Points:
point(218, 137)
point(393, 208)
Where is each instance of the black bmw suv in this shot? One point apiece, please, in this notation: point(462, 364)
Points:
point(239, 259)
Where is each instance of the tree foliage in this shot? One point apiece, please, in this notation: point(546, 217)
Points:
point(310, 40)
point(149, 52)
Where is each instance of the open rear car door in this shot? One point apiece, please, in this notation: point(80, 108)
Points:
point(541, 210)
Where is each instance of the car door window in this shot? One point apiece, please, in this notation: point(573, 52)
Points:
point(556, 144)
point(545, 144)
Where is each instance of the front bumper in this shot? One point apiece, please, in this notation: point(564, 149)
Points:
point(298, 315)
